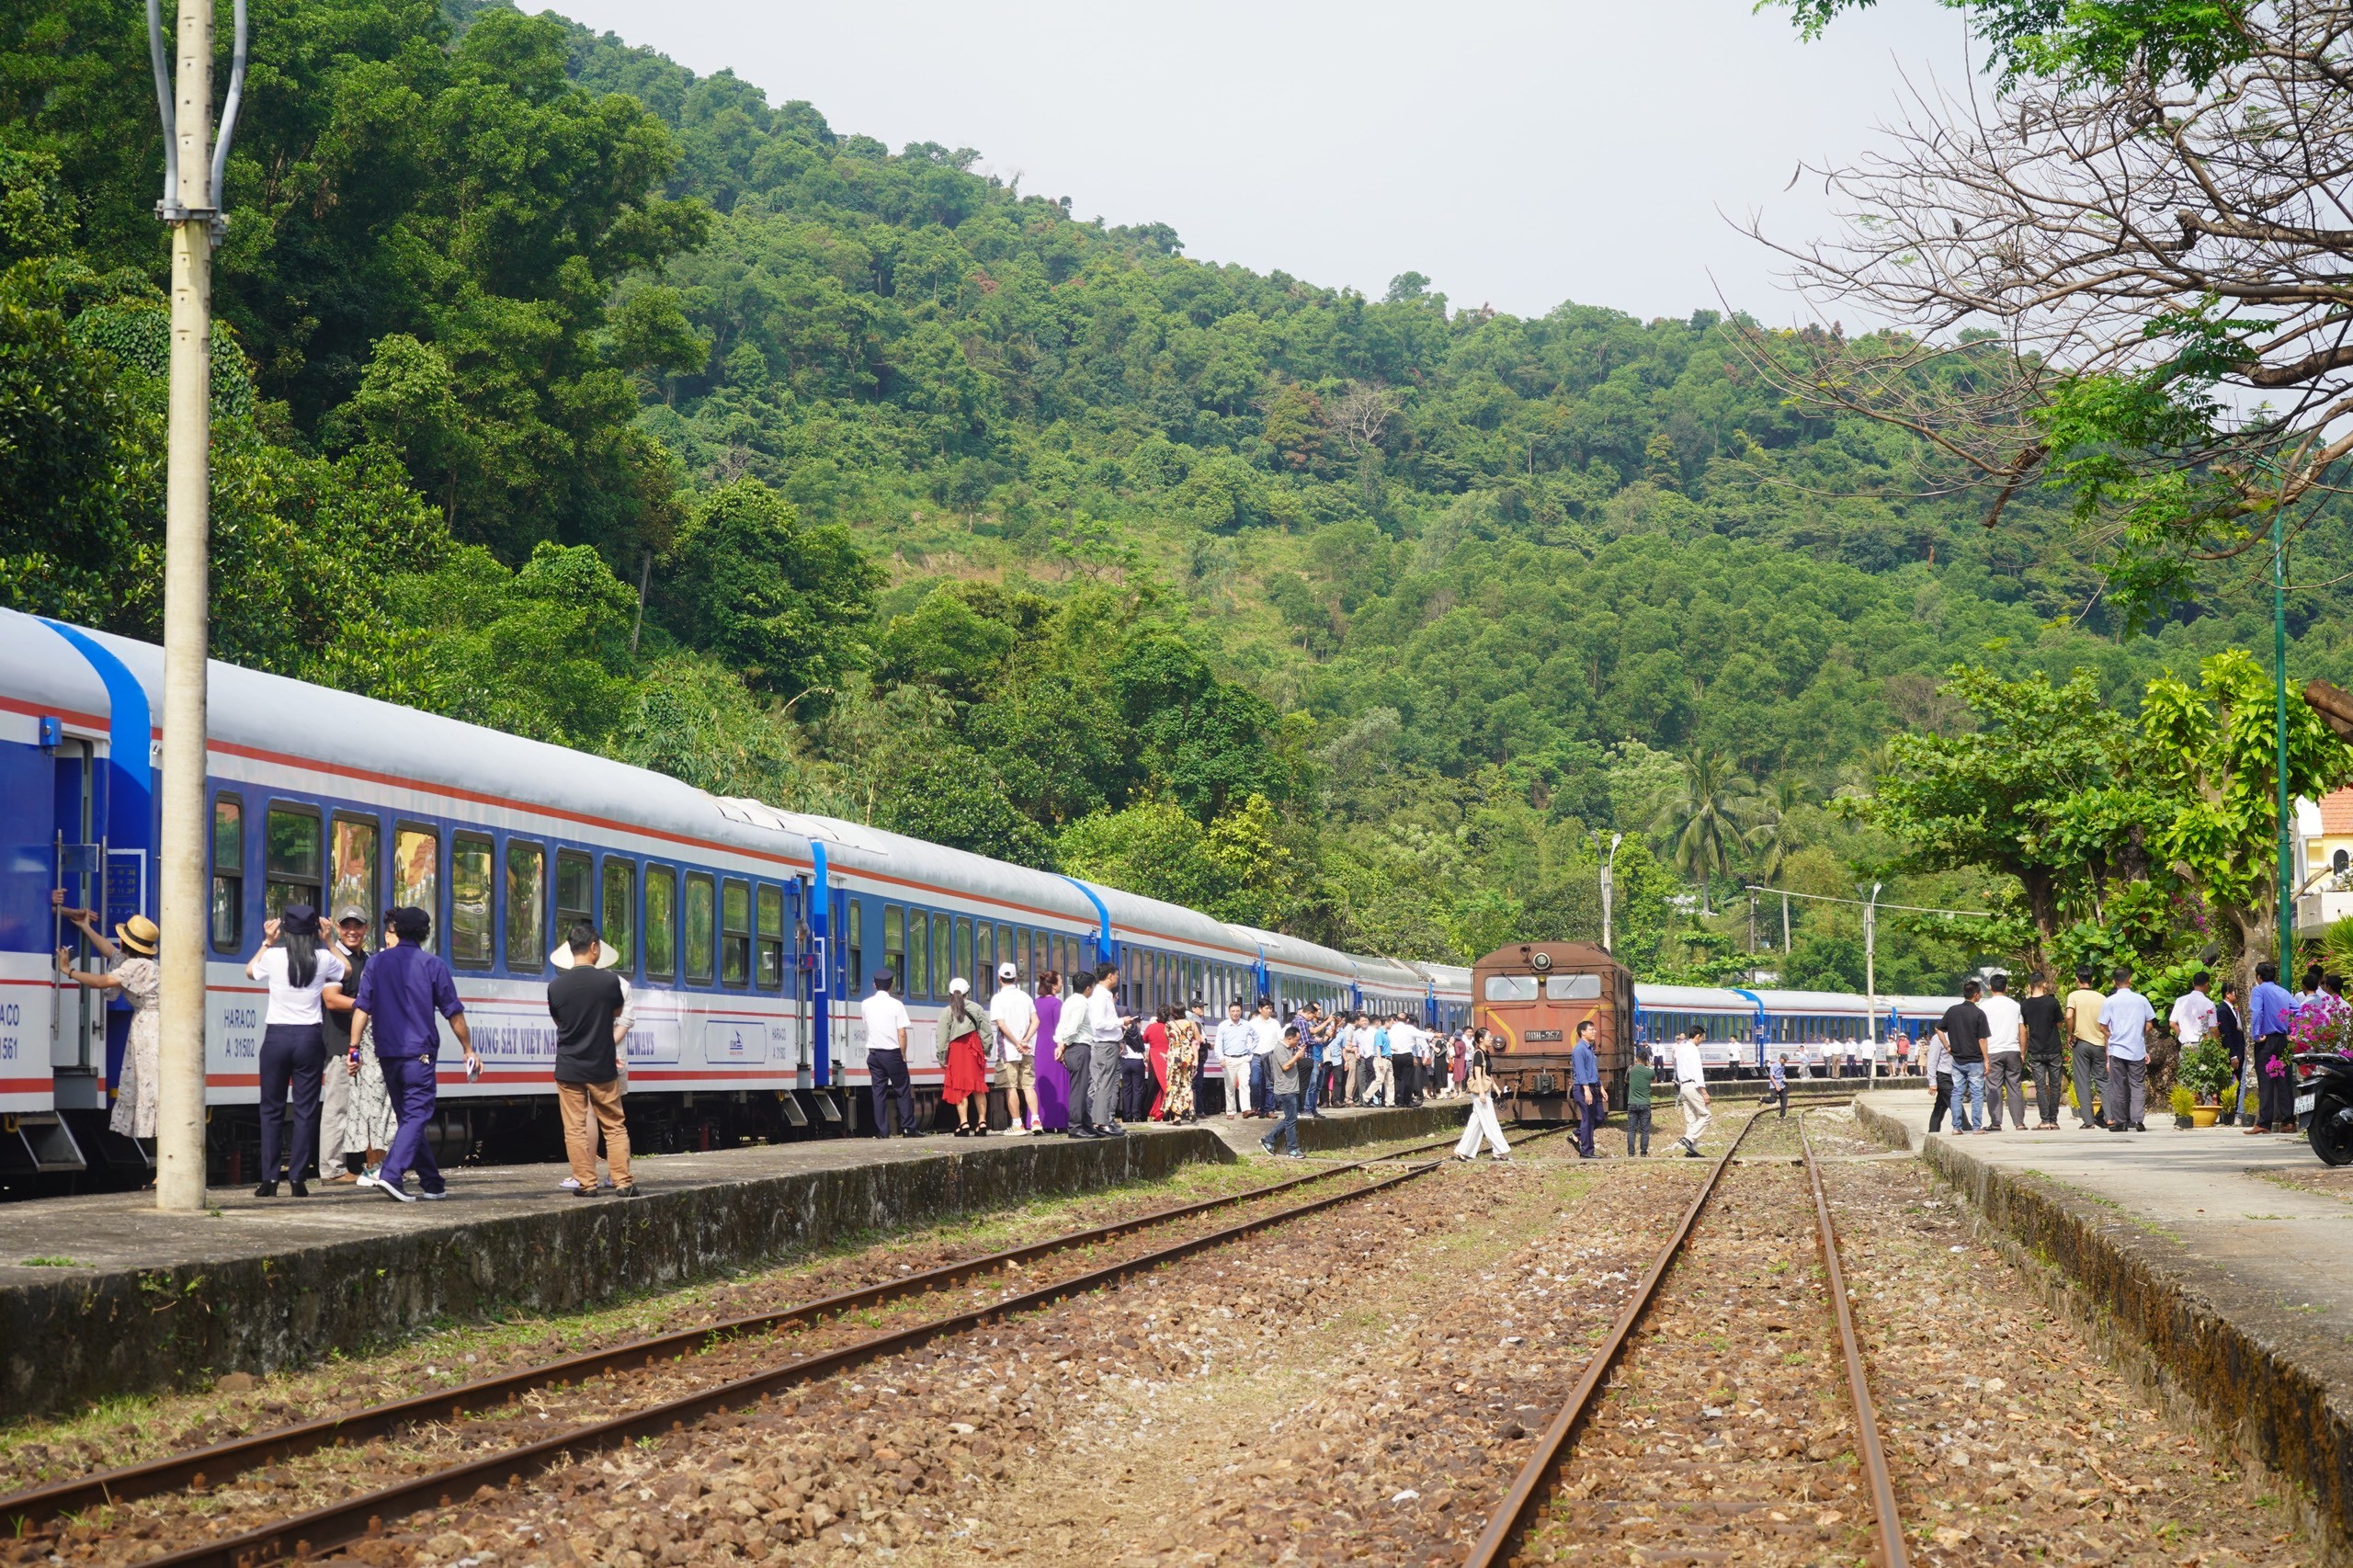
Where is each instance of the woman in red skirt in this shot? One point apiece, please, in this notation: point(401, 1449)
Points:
point(966, 1087)
point(1155, 1053)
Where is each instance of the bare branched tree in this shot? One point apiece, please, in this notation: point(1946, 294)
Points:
point(2139, 283)
point(1361, 416)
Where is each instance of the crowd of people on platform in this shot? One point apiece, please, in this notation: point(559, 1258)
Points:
point(1072, 1058)
point(1989, 1045)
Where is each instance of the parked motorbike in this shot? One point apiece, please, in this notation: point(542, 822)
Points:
point(2327, 1095)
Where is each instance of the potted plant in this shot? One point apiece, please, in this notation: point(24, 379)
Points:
point(2185, 1106)
point(2203, 1075)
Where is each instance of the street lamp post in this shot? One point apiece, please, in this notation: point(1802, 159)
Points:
point(193, 165)
point(1609, 886)
point(2286, 871)
point(1870, 979)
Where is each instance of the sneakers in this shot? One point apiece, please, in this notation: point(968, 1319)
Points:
point(569, 1183)
point(393, 1190)
point(631, 1190)
point(434, 1196)
point(580, 1191)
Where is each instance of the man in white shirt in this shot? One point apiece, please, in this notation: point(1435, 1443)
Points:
point(2005, 1053)
point(2126, 1016)
point(1266, 1033)
point(1105, 1024)
point(1234, 1040)
point(886, 1059)
point(1014, 1018)
point(1691, 1090)
point(1405, 1040)
point(2194, 1016)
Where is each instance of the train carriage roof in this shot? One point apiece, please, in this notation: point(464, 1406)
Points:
point(894, 858)
point(1151, 919)
point(1388, 974)
point(1691, 999)
point(1450, 979)
point(42, 671)
point(1297, 953)
point(302, 725)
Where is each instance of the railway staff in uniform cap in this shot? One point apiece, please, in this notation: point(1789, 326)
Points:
point(590, 1006)
point(887, 1083)
point(401, 992)
point(1691, 1089)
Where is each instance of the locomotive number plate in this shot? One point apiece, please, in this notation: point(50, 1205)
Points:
point(1535, 1036)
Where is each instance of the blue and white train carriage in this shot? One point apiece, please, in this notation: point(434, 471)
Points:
point(749, 933)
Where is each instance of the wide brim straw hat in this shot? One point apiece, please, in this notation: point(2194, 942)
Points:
point(140, 935)
point(606, 955)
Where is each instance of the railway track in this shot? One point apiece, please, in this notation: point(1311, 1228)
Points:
point(33, 1513)
point(1671, 1446)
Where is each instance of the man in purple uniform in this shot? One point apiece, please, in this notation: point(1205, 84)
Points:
point(401, 990)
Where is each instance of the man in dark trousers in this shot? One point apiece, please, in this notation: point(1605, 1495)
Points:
point(1584, 1085)
point(404, 990)
point(590, 1006)
point(887, 1083)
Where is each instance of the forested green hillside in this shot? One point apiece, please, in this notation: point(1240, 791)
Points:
point(959, 513)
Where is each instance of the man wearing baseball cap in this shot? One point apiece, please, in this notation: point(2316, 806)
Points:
point(1013, 1017)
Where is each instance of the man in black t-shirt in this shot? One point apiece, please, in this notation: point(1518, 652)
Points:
point(590, 1006)
point(1965, 1031)
point(2046, 1052)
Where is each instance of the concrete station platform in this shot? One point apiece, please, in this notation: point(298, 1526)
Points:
point(124, 1299)
point(2235, 1283)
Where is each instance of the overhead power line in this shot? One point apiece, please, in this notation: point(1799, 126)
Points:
point(1860, 903)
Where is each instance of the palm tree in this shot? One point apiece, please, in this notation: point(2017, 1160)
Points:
point(1775, 837)
point(1702, 818)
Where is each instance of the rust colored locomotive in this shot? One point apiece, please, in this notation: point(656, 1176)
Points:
point(1530, 997)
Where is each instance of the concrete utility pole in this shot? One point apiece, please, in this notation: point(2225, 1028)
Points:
point(192, 173)
point(1871, 977)
point(1609, 886)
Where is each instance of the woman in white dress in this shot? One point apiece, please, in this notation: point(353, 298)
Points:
point(137, 976)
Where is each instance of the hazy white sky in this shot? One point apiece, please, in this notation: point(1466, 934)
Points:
point(1520, 153)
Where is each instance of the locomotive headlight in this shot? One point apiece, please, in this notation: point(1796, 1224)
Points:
point(1539, 962)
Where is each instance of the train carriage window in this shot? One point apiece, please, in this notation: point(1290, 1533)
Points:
point(416, 873)
point(853, 936)
point(662, 923)
point(619, 922)
point(527, 869)
point(472, 939)
point(918, 976)
point(984, 958)
point(1511, 988)
point(292, 862)
point(575, 894)
point(229, 875)
point(894, 944)
point(943, 954)
point(1573, 987)
point(734, 933)
point(355, 847)
point(961, 962)
point(700, 896)
point(769, 937)
point(1008, 951)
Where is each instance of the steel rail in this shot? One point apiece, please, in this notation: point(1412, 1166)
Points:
point(353, 1518)
point(23, 1511)
point(1867, 1443)
point(1528, 1491)
point(1534, 1483)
